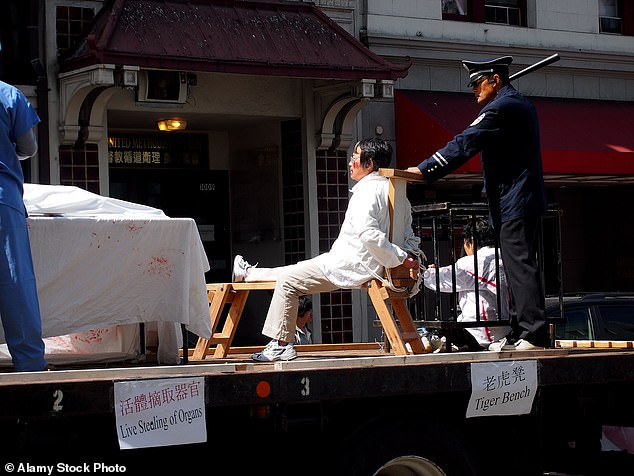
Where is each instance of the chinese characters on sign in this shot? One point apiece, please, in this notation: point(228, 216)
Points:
point(158, 150)
point(502, 388)
point(160, 412)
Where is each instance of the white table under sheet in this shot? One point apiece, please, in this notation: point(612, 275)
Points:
point(95, 272)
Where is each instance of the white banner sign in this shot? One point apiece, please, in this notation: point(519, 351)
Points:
point(502, 388)
point(160, 412)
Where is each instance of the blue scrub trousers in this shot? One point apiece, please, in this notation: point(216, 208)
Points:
point(19, 305)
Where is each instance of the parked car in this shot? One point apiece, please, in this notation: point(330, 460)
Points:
point(595, 316)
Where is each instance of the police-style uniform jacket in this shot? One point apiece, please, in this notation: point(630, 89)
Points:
point(506, 134)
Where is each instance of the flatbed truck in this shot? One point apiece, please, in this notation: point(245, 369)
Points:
point(346, 412)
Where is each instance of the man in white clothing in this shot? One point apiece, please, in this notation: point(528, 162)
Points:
point(481, 237)
point(361, 251)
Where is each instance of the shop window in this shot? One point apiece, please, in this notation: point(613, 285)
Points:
point(72, 24)
point(79, 167)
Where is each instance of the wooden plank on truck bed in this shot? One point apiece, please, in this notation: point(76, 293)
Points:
point(595, 344)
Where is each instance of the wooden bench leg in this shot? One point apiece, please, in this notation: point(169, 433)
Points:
point(224, 339)
point(408, 329)
point(387, 319)
point(218, 297)
point(397, 337)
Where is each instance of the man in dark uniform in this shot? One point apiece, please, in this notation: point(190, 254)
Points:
point(506, 134)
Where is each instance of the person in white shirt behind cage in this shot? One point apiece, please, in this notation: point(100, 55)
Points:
point(303, 334)
point(475, 338)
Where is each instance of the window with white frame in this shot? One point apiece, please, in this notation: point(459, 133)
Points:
point(505, 12)
point(610, 19)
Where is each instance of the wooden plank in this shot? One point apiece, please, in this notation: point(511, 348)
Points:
point(315, 347)
point(397, 197)
point(309, 348)
point(242, 286)
point(594, 344)
point(401, 174)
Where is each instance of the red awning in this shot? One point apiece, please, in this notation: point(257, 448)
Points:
point(580, 138)
point(272, 37)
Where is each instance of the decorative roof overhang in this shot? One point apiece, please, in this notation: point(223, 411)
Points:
point(279, 38)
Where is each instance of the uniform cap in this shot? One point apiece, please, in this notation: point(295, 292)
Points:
point(477, 69)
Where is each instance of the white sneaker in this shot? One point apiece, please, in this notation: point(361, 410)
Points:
point(499, 345)
point(273, 351)
point(240, 269)
point(522, 344)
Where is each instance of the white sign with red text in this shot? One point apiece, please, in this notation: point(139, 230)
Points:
point(160, 412)
point(502, 388)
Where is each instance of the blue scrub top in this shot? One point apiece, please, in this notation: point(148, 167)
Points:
point(17, 117)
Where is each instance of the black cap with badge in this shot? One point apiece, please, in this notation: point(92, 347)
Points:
point(477, 69)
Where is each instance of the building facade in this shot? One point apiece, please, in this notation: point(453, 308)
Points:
point(275, 94)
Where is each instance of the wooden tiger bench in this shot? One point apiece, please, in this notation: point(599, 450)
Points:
point(389, 304)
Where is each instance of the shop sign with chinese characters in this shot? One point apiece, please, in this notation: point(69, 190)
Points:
point(158, 150)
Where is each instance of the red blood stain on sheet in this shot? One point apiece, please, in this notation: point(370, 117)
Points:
point(159, 266)
point(95, 241)
point(134, 228)
point(91, 336)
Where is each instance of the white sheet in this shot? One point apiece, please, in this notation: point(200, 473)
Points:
point(96, 272)
point(76, 202)
point(108, 262)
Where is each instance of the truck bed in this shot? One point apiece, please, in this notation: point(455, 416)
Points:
point(357, 397)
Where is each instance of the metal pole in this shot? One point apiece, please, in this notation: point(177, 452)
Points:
point(540, 64)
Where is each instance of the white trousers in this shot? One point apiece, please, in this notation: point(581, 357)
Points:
point(292, 282)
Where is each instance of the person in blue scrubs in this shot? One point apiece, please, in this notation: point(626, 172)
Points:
point(19, 304)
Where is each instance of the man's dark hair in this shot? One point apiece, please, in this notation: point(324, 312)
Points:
point(483, 233)
point(502, 73)
point(504, 76)
point(305, 305)
point(377, 150)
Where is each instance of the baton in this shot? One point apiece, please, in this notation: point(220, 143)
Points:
point(540, 64)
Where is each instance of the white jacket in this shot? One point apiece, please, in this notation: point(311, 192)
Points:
point(362, 247)
point(303, 336)
point(487, 292)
